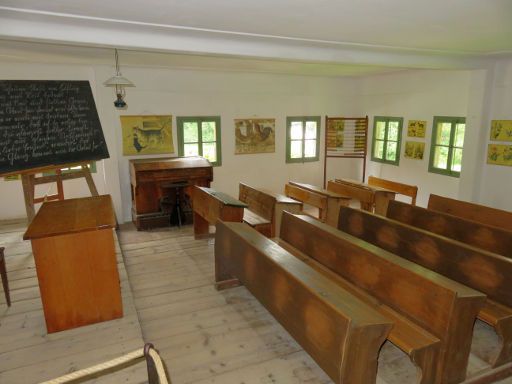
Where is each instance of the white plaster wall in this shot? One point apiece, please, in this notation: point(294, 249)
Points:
point(233, 95)
point(183, 92)
point(416, 95)
point(496, 182)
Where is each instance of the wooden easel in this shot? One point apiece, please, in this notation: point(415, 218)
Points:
point(29, 182)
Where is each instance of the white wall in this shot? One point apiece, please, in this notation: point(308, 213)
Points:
point(419, 94)
point(416, 95)
point(185, 92)
point(496, 181)
point(233, 95)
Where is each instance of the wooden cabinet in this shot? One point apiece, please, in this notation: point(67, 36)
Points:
point(74, 252)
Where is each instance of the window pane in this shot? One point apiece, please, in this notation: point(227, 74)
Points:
point(391, 151)
point(311, 130)
point(208, 131)
point(296, 130)
point(191, 149)
point(379, 149)
point(457, 160)
point(380, 129)
point(393, 130)
point(443, 133)
point(190, 130)
point(441, 157)
point(296, 149)
point(210, 151)
point(459, 135)
point(309, 148)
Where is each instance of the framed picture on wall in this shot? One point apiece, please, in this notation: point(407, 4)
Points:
point(499, 154)
point(501, 130)
point(255, 136)
point(414, 150)
point(416, 128)
point(147, 135)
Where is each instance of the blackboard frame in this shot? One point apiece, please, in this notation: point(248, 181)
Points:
point(76, 106)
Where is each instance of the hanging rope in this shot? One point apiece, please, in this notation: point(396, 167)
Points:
point(148, 351)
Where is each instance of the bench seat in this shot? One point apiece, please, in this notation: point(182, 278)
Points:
point(338, 330)
point(258, 222)
point(499, 317)
point(484, 271)
point(420, 345)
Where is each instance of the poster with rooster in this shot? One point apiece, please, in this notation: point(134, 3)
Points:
point(255, 136)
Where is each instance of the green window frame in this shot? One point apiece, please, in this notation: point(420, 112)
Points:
point(387, 139)
point(302, 138)
point(447, 145)
point(206, 143)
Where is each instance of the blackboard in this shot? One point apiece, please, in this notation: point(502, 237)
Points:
point(48, 123)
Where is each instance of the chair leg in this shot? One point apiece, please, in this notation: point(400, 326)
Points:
point(3, 274)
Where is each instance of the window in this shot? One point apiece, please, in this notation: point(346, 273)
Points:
point(91, 165)
point(302, 139)
point(200, 136)
point(387, 136)
point(447, 143)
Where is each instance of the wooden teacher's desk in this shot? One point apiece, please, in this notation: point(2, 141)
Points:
point(74, 252)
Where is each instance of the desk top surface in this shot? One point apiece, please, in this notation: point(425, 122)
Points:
point(224, 197)
point(63, 217)
point(155, 164)
point(321, 191)
point(363, 185)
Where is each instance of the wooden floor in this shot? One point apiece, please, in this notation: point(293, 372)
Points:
point(227, 337)
point(28, 354)
point(204, 336)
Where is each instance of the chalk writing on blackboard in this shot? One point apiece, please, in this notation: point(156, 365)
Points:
point(48, 123)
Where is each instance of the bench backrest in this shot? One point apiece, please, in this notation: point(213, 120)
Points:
point(485, 271)
point(439, 305)
point(471, 211)
point(402, 189)
point(339, 331)
point(479, 235)
point(306, 196)
point(259, 202)
point(390, 278)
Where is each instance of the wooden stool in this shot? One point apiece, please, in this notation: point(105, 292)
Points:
point(178, 190)
point(3, 274)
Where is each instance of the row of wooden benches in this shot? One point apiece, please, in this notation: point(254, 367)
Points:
point(341, 297)
point(262, 208)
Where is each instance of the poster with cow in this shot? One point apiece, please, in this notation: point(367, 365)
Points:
point(147, 135)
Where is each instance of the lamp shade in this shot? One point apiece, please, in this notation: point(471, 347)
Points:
point(118, 80)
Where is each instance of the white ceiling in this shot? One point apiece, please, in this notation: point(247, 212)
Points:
point(386, 33)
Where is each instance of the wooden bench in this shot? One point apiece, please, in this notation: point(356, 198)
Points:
point(435, 315)
point(471, 211)
point(341, 333)
point(484, 271)
point(470, 232)
point(210, 206)
point(373, 199)
point(400, 188)
point(327, 202)
point(265, 208)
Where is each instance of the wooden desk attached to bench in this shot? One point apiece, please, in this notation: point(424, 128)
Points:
point(74, 252)
point(373, 199)
point(210, 206)
point(327, 202)
point(265, 208)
